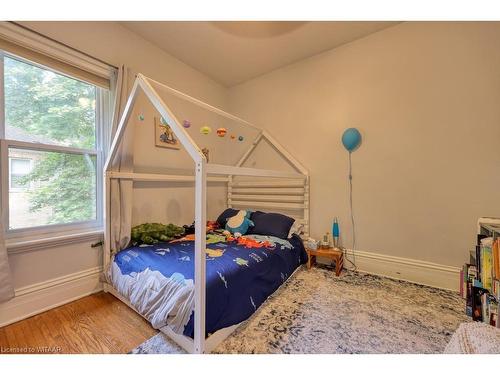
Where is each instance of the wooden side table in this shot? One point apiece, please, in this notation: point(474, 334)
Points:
point(335, 255)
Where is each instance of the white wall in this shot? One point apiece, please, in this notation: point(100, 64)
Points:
point(425, 97)
point(38, 269)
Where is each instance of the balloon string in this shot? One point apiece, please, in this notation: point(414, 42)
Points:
point(352, 216)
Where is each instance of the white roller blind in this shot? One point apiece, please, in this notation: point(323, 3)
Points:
point(33, 47)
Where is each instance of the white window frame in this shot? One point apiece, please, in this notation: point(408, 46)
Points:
point(16, 189)
point(52, 230)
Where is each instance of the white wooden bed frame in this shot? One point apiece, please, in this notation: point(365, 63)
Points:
point(289, 192)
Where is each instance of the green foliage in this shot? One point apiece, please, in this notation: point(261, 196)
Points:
point(150, 233)
point(43, 103)
point(61, 111)
point(68, 186)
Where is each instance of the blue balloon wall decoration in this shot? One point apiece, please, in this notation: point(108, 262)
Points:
point(351, 139)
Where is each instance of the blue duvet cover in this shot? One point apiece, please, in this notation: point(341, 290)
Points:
point(158, 279)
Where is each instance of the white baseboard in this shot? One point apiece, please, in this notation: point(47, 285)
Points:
point(40, 297)
point(417, 271)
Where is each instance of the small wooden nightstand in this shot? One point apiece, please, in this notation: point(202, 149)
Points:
point(336, 255)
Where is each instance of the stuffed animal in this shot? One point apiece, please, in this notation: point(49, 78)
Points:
point(238, 224)
point(151, 233)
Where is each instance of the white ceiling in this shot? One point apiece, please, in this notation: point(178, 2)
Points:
point(234, 52)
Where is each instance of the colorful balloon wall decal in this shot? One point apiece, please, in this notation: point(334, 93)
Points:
point(205, 130)
point(221, 132)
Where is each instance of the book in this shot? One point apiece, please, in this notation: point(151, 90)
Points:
point(469, 280)
point(492, 310)
point(472, 272)
point(463, 281)
point(493, 319)
point(486, 262)
point(468, 298)
point(477, 303)
point(496, 289)
point(472, 257)
point(485, 312)
point(480, 237)
point(495, 258)
point(478, 259)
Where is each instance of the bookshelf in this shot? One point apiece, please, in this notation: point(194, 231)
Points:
point(481, 276)
point(490, 229)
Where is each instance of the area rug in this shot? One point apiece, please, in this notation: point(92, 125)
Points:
point(317, 312)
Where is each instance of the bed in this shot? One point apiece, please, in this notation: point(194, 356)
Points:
point(195, 280)
point(158, 280)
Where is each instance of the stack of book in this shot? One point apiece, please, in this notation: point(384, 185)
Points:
point(480, 281)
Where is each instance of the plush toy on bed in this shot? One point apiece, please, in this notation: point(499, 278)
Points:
point(238, 224)
point(151, 233)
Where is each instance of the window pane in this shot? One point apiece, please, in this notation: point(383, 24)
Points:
point(46, 107)
point(20, 166)
point(60, 189)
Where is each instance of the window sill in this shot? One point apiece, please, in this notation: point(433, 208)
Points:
point(16, 246)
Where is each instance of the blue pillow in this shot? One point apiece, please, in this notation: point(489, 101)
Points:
point(256, 214)
point(271, 224)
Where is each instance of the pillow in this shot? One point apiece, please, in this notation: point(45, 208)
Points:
point(271, 224)
point(226, 214)
point(296, 228)
point(256, 214)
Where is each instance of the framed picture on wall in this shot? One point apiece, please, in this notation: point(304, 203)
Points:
point(164, 135)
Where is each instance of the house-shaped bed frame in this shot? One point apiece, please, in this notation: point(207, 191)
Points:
point(280, 191)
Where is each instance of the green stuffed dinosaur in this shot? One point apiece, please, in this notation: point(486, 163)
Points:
point(151, 233)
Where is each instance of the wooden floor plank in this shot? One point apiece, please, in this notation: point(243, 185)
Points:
point(99, 323)
point(104, 322)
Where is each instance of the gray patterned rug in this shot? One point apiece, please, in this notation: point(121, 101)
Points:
point(316, 312)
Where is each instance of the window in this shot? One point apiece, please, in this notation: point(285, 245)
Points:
point(51, 146)
point(19, 169)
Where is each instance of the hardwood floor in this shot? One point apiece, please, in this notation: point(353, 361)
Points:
point(99, 323)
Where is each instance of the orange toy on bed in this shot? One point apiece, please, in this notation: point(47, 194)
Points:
point(212, 225)
point(251, 244)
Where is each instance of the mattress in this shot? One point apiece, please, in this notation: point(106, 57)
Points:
point(158, 280)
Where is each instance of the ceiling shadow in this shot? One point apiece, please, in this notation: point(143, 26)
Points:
point(258, 29)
